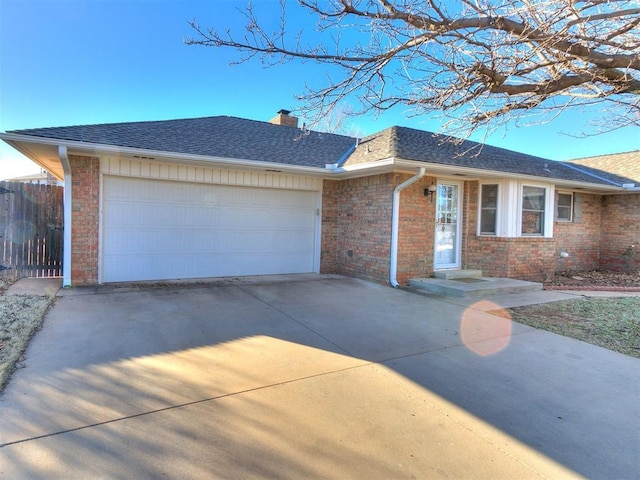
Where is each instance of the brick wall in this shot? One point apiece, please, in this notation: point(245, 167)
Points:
point(84, 222)
point(580, 238)
point(416, 229)
point(470, 222)
point(356, 241)
point(357, 232)
point(620, 238)
point(524, 258)
point(356, 228)
point(329, 246)
point(535, 258)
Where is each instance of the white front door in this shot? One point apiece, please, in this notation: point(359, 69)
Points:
point(448, 216)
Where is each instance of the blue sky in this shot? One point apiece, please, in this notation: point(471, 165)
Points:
point(71, 62)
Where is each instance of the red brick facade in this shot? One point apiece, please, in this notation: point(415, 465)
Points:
point(580, 238)
point(356, 227)
point(85, 203)
point(620, 238)
point(534, 258)
point(525, 258)
point(356, 231)
point(601, 236)
point(416, 229)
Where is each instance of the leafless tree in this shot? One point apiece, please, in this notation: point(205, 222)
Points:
point(477, 62)
point(336, 120)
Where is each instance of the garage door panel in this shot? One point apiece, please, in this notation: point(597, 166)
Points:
point(195, 266)
point(156, 230)
point(205, 241)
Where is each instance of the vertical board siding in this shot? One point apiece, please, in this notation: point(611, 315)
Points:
point(31, 220)
point(164, 171)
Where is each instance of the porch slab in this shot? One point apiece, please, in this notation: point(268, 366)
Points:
point(452, 274)
point(472, 286)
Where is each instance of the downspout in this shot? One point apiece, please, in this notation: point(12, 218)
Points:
point(66, 239)
point(393, 267)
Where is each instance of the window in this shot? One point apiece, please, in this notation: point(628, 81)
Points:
point(533, 205)
point(564, 208)
point(510, 208)
point(488, 209)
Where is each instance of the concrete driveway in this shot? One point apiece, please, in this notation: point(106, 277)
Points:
point(311, 377)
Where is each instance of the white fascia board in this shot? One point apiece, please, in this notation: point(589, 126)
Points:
point(366, 169)
point(479, 173)
point(95, 149)
point(386, 165)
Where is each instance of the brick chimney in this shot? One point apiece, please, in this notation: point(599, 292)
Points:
point(283, 118)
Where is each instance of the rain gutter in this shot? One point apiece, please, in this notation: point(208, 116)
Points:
point(66, 231)
point(393, 266)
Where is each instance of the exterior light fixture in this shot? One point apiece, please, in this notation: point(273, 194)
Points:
point(430, 191)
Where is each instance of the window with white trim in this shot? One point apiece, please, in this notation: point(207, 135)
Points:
point(511, 208)
point(533, 210)
point(564, 207)
point(488, 209)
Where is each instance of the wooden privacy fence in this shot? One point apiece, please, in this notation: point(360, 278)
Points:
point(30, 230)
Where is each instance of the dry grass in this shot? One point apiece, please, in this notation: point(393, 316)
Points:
point(612, 323)
point(20, 317)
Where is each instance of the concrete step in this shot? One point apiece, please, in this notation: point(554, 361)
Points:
point(473, 286)
point(451, 274)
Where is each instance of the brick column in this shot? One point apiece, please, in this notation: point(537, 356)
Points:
point(85, 174)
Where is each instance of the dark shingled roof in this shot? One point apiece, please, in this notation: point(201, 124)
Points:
point(419, 145)
point(221, 136)
point(242, 139)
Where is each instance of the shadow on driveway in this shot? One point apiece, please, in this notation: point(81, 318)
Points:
point(330, 377)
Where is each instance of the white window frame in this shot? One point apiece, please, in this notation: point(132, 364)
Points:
point(549, 210)
point(557, 216)
point(509, 208)
point(498, 209)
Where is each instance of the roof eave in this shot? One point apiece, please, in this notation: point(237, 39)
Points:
point(367, 169)
point(21, 142)
point(51, 164)
point(481, 173)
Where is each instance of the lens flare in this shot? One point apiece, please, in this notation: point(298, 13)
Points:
point(485, 333)
point(21, 231)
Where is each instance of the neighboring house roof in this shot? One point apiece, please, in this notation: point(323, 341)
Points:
point(625, 164)
point(221, 136)
point(42, 178)
point(423, 146)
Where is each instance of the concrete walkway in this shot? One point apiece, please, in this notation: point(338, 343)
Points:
point(312, 377)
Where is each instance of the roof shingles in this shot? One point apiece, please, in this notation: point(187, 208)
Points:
point(243, 139)
point(422, 146)
point(625, 164)
point(221, 136)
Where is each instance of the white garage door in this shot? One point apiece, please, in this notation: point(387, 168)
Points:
point(159, 230)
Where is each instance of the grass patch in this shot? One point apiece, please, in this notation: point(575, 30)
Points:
point(20, 317)
point(612, 323)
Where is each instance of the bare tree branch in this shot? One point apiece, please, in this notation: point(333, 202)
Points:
point(478, 62)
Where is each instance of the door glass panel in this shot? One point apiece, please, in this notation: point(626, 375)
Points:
point(446, 226)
